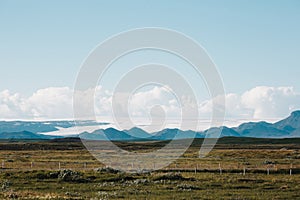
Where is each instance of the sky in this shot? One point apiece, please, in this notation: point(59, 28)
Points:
point(255, 45)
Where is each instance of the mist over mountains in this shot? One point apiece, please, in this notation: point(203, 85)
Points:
point(286, 128)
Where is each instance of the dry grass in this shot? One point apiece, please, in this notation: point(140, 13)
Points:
point(43, 180)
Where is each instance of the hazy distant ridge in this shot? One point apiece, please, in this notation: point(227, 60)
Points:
point(286, 128)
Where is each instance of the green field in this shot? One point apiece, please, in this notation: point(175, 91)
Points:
point(250, 169)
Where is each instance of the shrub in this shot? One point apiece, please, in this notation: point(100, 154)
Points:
point(42, 175)
point(121, 178)
point(269, 162)
point(187, 187)
point(70, 176)
point(5, 185)
point(107, 170)
point(171, 177)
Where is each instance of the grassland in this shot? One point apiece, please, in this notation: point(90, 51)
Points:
point(250, 169)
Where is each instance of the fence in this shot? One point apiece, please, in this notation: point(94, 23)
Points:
point(49, 165)
point(220, 168)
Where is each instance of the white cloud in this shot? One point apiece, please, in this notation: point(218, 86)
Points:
point(141, 103)
point(259, 103)
point(56, 103)
point(271, 102)
point(11, 105)
point(50, 103)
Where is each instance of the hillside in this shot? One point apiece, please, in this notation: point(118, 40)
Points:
point(286, 128)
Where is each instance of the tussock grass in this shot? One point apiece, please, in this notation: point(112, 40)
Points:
point(35, 174)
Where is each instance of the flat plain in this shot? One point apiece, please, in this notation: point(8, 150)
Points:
point(237, 168)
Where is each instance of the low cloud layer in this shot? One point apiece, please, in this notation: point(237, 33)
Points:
point(259, 103)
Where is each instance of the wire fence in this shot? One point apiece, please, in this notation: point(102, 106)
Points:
point(220, 167)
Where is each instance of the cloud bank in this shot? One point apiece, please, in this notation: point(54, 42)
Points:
point(259, 103)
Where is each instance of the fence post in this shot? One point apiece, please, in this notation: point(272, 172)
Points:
point(291, 169)
point(59, 165)
point(220, 168)
point(244, 171)
point(268, 171)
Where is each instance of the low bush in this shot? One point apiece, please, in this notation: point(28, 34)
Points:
point(107, 170)
point(71, 176)
point(172, 177)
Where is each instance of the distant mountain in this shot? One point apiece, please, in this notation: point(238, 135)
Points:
point(42, 127)
point(169, 134)
point(295, 133)
point(221, 132)
point(113, 134)
point(260, 130)
point(96, 135)
point(286, 128)
point(138, 133)
point(34, 127)
point(107, 134)
point(25, 135)
point(289, 124)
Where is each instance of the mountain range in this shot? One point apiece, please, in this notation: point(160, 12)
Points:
point(25, 135)
point(286, 128)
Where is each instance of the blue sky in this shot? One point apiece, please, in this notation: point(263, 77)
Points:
point(253, 43)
